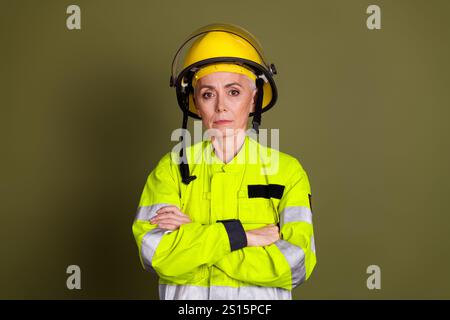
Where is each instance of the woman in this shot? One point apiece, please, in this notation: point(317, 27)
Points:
point(226, 218)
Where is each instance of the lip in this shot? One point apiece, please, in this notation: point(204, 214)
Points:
point(223, 121)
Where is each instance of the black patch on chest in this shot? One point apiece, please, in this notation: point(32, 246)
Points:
point(265, 191)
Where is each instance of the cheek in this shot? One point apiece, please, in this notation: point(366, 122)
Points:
point(245, 104)
point(241, 111)
point(202, 108)
point(206, 114)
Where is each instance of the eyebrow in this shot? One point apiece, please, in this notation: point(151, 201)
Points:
point(226, 86)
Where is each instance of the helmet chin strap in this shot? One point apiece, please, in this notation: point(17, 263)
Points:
point(258, 105)
point(186, 178)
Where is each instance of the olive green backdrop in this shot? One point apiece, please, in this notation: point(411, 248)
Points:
point(86, 114)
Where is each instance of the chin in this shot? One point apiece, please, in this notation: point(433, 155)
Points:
point(225, 131)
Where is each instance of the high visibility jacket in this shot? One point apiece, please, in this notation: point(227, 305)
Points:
point(202, 259)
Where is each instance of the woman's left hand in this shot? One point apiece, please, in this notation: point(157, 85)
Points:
point(170, 218)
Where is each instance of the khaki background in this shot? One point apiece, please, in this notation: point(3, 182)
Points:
point(86, 115)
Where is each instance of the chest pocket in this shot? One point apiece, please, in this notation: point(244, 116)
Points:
point(256, 204)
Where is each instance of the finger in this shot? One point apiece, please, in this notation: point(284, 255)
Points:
point(171, 216)
point(178, 212)
point(167, 209)
point(184, 218)
point(160, 215)
point(164, 221)
point(164, 215)
point(274, 229)
point(262, 231)
point(172, 209)
point(168, 226)
point(266, 227)
point(259, 232)
point(267, 234)
point(181, 214)
point(169, 220)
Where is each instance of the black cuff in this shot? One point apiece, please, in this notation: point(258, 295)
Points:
point(236, 233)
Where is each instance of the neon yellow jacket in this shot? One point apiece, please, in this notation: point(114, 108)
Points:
point(204, 259)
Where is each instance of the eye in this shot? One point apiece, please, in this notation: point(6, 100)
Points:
point(234, 92)
point(207, 95)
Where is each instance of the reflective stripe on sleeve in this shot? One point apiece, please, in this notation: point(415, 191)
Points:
point(313, 245)
point(296, 259)
point(296, 214)
point(149, 244)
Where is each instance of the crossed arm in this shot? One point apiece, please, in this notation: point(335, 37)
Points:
point(171, 218)
point(260, 263)
point(266, 257)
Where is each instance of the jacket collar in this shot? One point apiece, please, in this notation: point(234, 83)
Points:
point(236, 164)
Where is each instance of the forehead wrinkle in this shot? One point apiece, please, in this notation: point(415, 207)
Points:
point(252, 85)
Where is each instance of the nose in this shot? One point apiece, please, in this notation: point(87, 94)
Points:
point(220, 103)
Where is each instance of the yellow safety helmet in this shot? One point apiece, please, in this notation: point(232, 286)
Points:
point(221, 47)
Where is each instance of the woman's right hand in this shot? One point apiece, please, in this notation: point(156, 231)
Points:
point(170, 218)
point(262, 236)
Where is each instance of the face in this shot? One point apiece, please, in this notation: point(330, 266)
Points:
point(224, 101)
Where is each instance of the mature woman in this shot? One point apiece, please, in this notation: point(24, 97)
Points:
point(226, 218)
